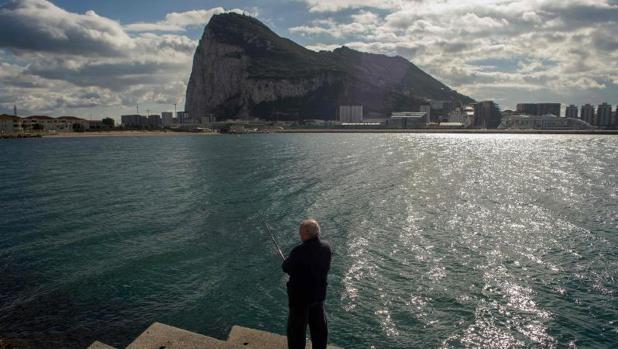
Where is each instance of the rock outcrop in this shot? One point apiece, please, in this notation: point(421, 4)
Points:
point(241, 69)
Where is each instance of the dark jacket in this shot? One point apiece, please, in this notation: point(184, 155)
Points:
point(308, 265)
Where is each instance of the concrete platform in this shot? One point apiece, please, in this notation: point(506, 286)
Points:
point(256, 339)
point(99, 345)
point(161, 336)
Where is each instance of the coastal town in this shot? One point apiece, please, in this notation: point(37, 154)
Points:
point(441, 115)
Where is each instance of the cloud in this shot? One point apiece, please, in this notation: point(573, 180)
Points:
point(179, 21)
point(556, 47)
point(52, 60)
point(38, 25)
point(338, 5)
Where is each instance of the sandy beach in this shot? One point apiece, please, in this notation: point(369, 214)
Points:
point(132, 133)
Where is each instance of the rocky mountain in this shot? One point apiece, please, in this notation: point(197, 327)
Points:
point(242, 69)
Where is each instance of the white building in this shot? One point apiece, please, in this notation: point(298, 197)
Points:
point(351, 113)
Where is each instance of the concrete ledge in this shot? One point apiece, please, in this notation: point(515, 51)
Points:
point(99, 345)
point(160, 336)
point(256, 339)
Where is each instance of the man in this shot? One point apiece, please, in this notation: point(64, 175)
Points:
point(308, 265)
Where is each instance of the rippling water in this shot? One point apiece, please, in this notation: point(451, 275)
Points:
point(440, 241)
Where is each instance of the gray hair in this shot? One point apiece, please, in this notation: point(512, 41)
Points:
point(312, 227)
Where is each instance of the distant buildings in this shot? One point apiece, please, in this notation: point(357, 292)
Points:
point(587, 114)
point(167, 119)
point(604, 115)
point(408, 120)
point(539, 108)
point(426, 109)
point(10, 124)
point(132, 121)
point(542, 122)
point(486, 115)
point(527, 108)
point(154, 121)
point(183, 117)
point(208, 119)
point(350, 113)
point(571, 111)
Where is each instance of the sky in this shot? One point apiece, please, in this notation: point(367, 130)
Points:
point(103, 58)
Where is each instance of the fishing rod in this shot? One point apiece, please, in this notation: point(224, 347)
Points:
point(272, 237)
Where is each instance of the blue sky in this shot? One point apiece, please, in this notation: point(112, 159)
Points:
point(101, 58)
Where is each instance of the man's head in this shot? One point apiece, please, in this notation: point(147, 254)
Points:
point(309, 228)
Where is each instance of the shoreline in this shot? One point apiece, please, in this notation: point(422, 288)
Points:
point(142, 133)
point(459, 131)
point(125, 134)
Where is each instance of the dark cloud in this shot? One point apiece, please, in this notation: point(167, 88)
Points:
point(38, 25)
point(119, 76)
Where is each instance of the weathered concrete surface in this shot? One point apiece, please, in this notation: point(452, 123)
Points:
point(256, 339)
point(160, 336)
point(99, 345)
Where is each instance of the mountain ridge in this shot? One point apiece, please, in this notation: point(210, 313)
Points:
point(242, 69)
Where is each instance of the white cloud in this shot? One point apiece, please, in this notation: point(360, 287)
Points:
point(179, 21)
point(562, 47)
point(63, 60)
point(337, 5)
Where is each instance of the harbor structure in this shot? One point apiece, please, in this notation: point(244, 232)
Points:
point(350, 113)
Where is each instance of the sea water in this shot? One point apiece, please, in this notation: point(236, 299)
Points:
point(440, 240)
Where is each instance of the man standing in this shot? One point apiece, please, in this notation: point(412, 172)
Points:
point(308, 265)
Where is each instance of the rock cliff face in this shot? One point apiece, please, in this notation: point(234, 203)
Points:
point(241, 69)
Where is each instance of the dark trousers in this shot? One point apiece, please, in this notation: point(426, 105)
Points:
point(300, 316)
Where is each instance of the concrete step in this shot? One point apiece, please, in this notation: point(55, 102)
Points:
point(99, 345)
point(256, 339)
point(160, 336)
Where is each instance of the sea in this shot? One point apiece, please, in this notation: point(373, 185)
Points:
point(439, 240)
